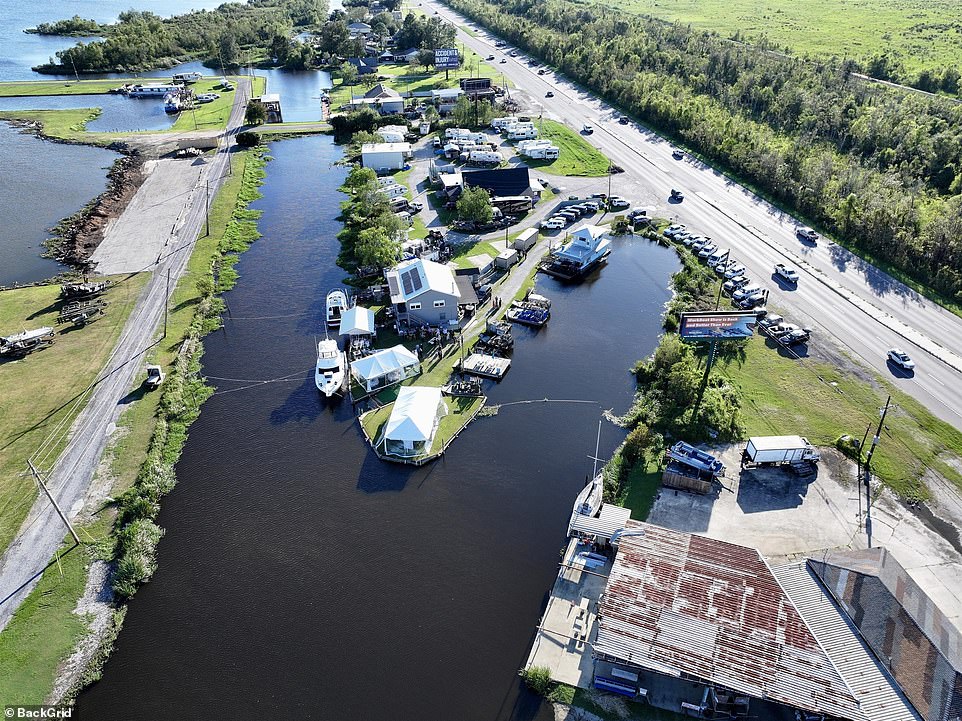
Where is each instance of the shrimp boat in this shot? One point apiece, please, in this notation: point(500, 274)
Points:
point(336, 305)
point(329, 370)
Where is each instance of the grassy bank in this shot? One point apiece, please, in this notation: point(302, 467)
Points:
point(62, 87)
point(577, 157)
point(44, 631)
point(42, 394)
point(63, 124)
point(460, 412)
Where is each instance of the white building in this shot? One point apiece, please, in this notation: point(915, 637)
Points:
point(385, 367)
point(392, 156)
point(414, 421)
point(424, 293)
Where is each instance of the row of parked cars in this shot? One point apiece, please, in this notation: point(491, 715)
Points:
point(569, 214)
point(783, 332)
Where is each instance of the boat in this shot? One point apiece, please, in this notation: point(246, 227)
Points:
point(19, 344)
point(187, 78)
point(150, 90)
point(336, 305)
point(329, 371)
point(172, 103)
point(589, 499)
point(538, 300)
point(533, 316)
point(587, 249)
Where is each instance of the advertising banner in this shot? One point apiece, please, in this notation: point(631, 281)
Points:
point(717, 325)
point(446, 59)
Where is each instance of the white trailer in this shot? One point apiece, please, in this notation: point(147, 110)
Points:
point(485, 156)
point(777, 450)
point(501, 123)
point(545, 152)
point(452, 132)
point(522, 133)
point(526, 145)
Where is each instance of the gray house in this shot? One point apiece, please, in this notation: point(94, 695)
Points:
point(424, 293)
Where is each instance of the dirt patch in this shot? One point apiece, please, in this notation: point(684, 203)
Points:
point(79, 235)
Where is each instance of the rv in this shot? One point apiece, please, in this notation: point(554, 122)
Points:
point(500, 124)
point(484, 156)
point(545, 152)
point(522, 133)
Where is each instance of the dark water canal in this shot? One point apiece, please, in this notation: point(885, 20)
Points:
point(301, 577)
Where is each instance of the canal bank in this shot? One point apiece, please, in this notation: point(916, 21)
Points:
point(310, 542)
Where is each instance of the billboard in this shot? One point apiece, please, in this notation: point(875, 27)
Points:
point(446, 58)
point(717, 325)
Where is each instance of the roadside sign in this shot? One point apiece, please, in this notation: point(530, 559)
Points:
point(446, 59)
point(716, 325)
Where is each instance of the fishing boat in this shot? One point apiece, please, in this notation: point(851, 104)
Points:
point(329, 370)
point(587, 248)
point(336, 305)
point(172, 103)
point(527, 314)
point(187, 78)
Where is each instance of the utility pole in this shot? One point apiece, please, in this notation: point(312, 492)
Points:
point(858, 476)
point(609, 181)
point(36, 474)
point(207, 209)
point(166, 302)
point(868, 472)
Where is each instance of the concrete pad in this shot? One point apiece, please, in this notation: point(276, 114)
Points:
point(788, 518)
point(150, 223)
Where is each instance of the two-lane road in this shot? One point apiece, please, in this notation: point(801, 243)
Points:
point(838, 295)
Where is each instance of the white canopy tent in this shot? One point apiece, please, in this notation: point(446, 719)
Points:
point(357, 321)
point(414, 420)
point(385, 367)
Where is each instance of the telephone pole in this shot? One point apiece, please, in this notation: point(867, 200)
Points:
point(36, 474)
point(868, 472)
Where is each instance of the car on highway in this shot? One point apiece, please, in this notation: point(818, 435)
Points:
point(676, 196)
point(900, 358)
point(733, 284)
point(672, 230)
point(513, 53)
point(490, 57)
point(617, 202)
point(542, 71)
point(677, 154)
point(500, 44)
point(587, 129)
point(806, 234)
point(624, 120)
point(789, 275)
point(503, 60)
point(549, 94)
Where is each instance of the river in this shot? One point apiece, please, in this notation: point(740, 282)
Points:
point(301, 577)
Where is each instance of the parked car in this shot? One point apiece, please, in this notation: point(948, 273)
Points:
point(686, 238)
point(735, 271)
point(900, 358)
point(700, 242)
point(751, 301)
point(637, 213)
point(415, 206)
point(677, 154)
point(717, 257)
point(616, 201)
point(799, 335)
point(770, 320)
point(746, 290)
point(777, 330)
point(672, 230)
point(552, 224)
point(733, 284)
point(592, 206)
point(785, 273)
point(806, 234)
point(676, 196)
point(722, 267)
point(707, 250)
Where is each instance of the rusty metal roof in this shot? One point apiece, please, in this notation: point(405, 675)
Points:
point(686, 605)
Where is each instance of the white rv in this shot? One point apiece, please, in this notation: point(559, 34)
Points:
point(485, 156)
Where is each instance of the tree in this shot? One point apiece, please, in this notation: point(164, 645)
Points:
point(475, 204)
point(348, 73)
point(467, 113)
point(360, 177)
point(375, 247)
point(228, 49)
point(426, 58)
point(256, 114)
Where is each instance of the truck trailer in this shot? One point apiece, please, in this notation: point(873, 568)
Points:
point(779, 450)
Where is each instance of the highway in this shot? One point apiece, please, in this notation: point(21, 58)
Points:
point(839, 296)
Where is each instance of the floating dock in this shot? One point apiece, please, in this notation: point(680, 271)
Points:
point(486, 366)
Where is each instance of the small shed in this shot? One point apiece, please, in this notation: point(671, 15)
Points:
point(357, 321)
point(414, 421)
point(385, 367)
point(506, 258)
point(526, 240)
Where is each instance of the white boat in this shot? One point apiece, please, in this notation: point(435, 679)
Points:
point(588, 502)
point(172, 103)
point(329, 371)
point(187, 77)
point(586, 248)
point(149, 90)
point(336, 305)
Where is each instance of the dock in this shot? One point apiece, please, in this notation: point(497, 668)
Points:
point(485, 366)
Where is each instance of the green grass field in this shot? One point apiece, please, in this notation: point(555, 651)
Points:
point(61, 87)
point(922, 34)
point(66, 124)
point(577, 157)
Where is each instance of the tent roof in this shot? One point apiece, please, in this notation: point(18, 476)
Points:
point(357, 321)
point(413, 415)
point(384, 362)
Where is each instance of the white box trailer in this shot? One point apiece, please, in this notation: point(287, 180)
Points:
point(484, 156)
point(501, 123)
point(526, 145)
point(522, 133)
point(549, 152)
point(452, 132)
point(779, 449)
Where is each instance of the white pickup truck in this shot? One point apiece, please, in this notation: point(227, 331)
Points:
point(787, 274)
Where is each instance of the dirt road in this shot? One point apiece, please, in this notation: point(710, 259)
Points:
point(70, 477)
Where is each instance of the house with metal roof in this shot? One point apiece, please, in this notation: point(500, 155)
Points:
point(424, 293)
point(385, 367)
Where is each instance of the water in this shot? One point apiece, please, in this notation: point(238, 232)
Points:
point(44, 183)
point(300, 91)
point(301, 577)
point(118, 113)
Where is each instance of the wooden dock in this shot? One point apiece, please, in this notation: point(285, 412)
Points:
point(485, 366)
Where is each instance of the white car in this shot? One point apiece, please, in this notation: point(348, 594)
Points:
point(785, 273)
point(718, 257)
point(745, 291)
point(700, 242)
point(707, 250)
point(733, 284)
point(672, 230)
point(587, 129)
point(734, 271)
point(722, 267)
point(552, 224)
point(616, 201)
point(900, 358)
point(806, 234)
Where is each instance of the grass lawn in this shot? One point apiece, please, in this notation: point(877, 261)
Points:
point(45, 391)
point(641, 487)
point(65, 124)
point(918, 34)
point(213, 115)
point(460, 412)
point(577, 157)
point(44, 628)
point(63, 87)
point(782, 395)
point(463, 251)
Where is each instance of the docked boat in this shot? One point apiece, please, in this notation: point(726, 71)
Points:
point(329, 370)
point(586, 249)
point(588, 501)
point(151, 90)
point(538, 300)
point(187, 78)
point(527, 314)
point(172, 103)
point(336, 305)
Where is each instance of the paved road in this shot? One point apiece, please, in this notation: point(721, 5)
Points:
point(70, 478)
point(838, 295)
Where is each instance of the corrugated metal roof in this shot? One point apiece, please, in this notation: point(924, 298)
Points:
point(611, 519)
point(879, 696)
point(677, 603)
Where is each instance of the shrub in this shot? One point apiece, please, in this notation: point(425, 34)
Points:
point(248, 139)
point(538, 679)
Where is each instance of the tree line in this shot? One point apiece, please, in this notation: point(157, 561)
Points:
point(878, 167)
point(225, 37)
